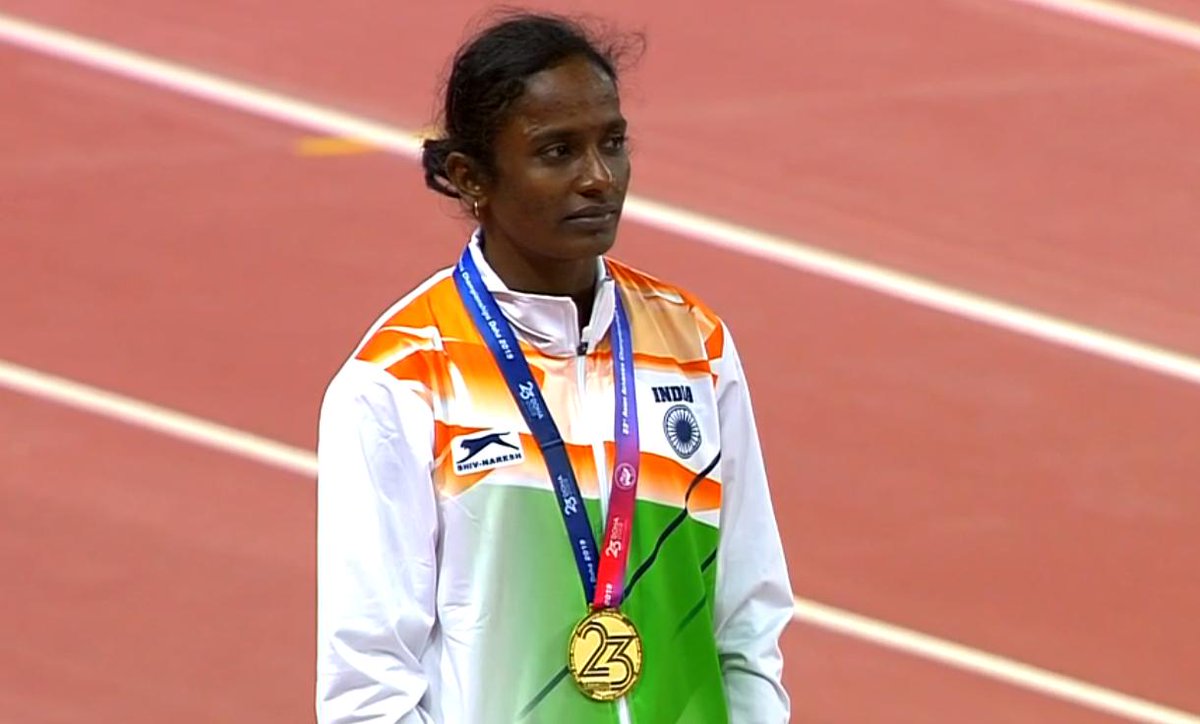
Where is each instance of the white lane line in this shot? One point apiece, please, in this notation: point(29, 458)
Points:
point(957, 302)
point(158, 419)
point(205, 86)
point(778, 249)
point(228, 440)
point(991, 666)
point(1126, 18)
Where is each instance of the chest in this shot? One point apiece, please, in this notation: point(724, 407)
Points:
point(486, 441)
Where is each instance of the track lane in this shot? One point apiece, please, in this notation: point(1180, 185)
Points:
point(985, 145)
point(848, 681)
point(146, 586)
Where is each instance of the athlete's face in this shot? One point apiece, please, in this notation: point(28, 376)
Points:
point(561, 167)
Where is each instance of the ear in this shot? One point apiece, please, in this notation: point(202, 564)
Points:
point(467, 176)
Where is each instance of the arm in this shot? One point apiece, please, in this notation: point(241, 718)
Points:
point(753, 595)
point(376, 549)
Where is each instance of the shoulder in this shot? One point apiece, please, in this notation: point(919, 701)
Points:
point(411, 325)
point(397, 362)
point(671, 303)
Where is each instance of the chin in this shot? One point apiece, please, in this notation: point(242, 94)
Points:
point(578, 243)
point(593, 244)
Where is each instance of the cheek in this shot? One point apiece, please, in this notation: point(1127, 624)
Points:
point(529, 199)
point(622, 170)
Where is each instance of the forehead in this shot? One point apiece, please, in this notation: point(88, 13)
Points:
point(575, 93)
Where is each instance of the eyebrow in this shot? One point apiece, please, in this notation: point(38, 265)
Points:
point(554, 133)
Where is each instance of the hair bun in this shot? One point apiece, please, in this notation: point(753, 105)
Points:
point(434, 152)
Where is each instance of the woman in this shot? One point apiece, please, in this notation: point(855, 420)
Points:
point(535, 388)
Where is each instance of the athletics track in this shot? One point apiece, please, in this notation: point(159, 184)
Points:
point(956, 242)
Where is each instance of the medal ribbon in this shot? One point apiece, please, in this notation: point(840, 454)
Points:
point(602, 573)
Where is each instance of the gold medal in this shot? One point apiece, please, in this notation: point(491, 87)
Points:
point(604, 655)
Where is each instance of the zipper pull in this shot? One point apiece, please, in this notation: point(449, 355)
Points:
point(581, 350)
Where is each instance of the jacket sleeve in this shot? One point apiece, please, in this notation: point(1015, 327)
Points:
point(376, 549)
point(753, 595)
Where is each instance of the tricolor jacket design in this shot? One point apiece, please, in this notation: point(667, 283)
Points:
point(447, 588)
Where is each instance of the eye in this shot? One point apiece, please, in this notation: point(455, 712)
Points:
point(555, 151)
point(616, 143)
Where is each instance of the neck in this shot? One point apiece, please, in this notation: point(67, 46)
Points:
point(574, 278)
point(583, 306)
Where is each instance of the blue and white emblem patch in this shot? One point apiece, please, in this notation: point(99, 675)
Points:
point(682, 430)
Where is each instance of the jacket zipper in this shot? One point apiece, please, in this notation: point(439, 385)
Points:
point(598, 456)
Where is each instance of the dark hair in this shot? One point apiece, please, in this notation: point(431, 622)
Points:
point(489, 73)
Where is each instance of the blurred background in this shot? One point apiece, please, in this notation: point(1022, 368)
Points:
point(956, 241)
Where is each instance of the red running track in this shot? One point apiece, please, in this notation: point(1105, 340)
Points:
point(966, 482)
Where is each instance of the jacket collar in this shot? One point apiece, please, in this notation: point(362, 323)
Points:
point(550, 324)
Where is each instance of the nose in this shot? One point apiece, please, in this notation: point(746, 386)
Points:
point(595, 177)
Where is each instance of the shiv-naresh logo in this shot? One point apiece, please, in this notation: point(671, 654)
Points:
point(486, 450)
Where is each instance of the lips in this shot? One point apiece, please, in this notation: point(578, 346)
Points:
point(596, 212)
